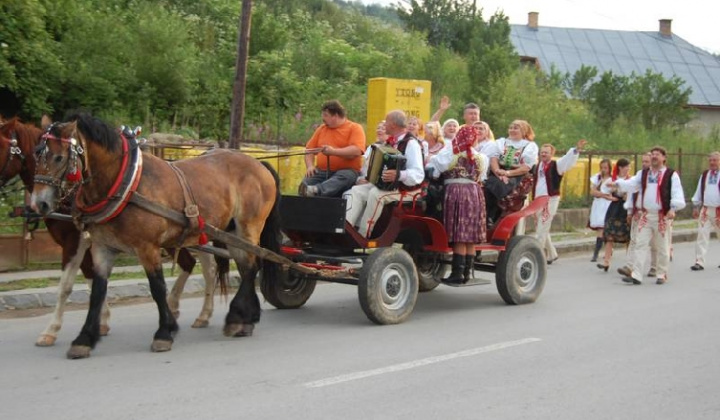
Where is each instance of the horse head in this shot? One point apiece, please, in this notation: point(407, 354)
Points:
point(17, 141)
point(59, 167)
point(82, 152)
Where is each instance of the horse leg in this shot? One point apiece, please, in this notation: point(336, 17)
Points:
point(89, 272)
point(207, 263)
point(244, 310)
point(73, 255)
point(187, 264)
point(151, 261)
point(103, 259)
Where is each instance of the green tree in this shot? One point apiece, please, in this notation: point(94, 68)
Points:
point(524, 95)
point(30, 65)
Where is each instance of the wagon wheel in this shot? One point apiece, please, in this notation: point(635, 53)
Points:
point(521, 271)
point(388, 286)
point(290, 290)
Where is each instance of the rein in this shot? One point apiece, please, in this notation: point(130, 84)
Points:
point(288, 154)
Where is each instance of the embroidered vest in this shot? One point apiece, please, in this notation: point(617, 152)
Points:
point(552, 179)
point(665, 188)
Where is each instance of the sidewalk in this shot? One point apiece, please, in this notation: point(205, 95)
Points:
point(566, 243)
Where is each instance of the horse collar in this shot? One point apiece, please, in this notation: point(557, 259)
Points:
point(122, 189)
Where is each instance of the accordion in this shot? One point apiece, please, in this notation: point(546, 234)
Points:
point(382, 158)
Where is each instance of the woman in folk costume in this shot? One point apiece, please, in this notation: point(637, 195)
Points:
point(617, 229)
point(511, 180)
point(463, 169)
point(601, 201)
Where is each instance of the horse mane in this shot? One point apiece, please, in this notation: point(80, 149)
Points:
point(95, 130)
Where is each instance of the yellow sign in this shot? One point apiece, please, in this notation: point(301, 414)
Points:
point(385, 95)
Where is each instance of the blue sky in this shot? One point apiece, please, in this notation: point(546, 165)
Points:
point(696, 21)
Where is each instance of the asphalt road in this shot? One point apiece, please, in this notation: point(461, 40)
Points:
point(592, 347)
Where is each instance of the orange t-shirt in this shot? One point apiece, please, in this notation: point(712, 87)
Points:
point(347, 134)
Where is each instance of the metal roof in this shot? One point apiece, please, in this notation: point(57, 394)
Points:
point(623, 52)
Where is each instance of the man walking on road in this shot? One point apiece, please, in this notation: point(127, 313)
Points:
point(630, 206)
point(660, 196)
point(547, 176)
point(706, 208)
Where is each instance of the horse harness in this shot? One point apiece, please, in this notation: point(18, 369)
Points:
point(123, 190)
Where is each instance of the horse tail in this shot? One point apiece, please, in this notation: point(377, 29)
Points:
point(222, 272)
point(271, 236)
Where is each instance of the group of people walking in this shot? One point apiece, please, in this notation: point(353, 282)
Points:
point(484, 178)
point(639, 211)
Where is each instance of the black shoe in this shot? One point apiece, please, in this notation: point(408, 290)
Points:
point(593, 259)
point(697, 267)
point(603, 267)
point(549, 262)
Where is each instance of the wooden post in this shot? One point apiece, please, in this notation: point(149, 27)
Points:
point(237, 116)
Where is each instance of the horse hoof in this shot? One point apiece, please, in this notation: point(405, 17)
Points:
point(46, 341)
point(239, 330)
point(159, 346)
point(104, 330)
point(78, 352)
point(201, 323)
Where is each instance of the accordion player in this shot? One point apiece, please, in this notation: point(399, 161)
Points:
point(382, 158)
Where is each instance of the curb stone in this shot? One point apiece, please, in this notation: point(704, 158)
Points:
point(122, 289)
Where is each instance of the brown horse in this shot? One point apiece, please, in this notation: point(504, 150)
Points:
point(17, 143)
point(137, 203)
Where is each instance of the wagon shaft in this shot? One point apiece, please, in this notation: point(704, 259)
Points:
point(258, 251)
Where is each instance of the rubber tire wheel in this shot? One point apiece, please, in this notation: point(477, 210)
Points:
point(521, 271)
point(388, 286)
point(289, 291)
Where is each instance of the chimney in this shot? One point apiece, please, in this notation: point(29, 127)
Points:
point(533, 20)
point(666, 27)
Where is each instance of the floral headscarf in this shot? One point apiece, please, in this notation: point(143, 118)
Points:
point(464, 141)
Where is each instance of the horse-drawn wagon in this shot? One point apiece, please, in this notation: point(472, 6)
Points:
point(408, 254)
point(129, 202)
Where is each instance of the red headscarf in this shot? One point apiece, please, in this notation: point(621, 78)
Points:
point(464, 140)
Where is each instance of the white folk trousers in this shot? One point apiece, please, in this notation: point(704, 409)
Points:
point(543, 222)
point(708, 221)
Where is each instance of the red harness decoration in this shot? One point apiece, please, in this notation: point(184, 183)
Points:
point(94, 208)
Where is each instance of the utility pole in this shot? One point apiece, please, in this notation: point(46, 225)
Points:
point(237, 116)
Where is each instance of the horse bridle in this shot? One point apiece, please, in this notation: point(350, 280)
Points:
point(13, 150)
point(72, 166)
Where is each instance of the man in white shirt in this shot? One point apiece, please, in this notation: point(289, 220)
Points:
point(547, 176)
point(631, 205)
point(365, 201)
point(660, 196)
point(706, 208)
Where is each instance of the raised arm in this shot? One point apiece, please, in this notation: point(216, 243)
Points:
point(444, 106)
